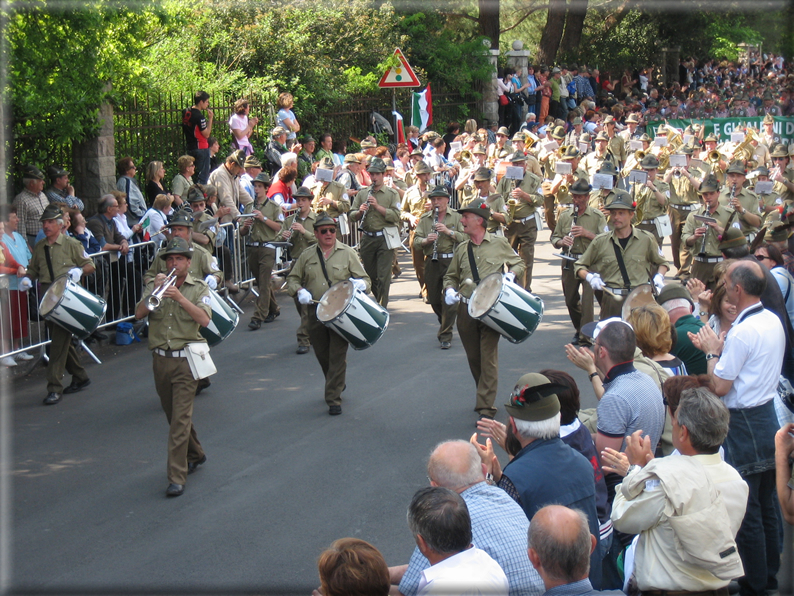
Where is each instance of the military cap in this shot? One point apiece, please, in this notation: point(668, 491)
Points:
point(417, 152)
point(32, 172)
point(644, 138)
point(673, 291)
point(711, 138)
point(736, 167)
point(653, 104)
point(56, 172)
point(377, 165)
point(602, 136)
point(609, 120)
point(779, 150)
point(252, 162)
point(351, 158)
point(51, 211)
point(570, 152)
point(576, 121)
point(482, 174)
point(479, 149)
point(710, 184)
point(673, 102)
point(308, 139)
point(303, 192)
point(761, 171)
point(478, 207)
point(237, 158)
point(778, 233)
point(422, 168)
point(326, 163)
point(176, 246)
point(263, 178)
point(518, 156)
point(534, 398)
point(439, 191)
point(732, 238)
point(558, 132)
point(622, 200)
point(195, 194)
point(519, 136)
point(649, 162)
point(768, 119)
point(581, 187)
point(367, 144)
point(180, 218)
point(608, 168)
point(585, 138)
point(555, 70)
point(323, 219)
point(686, 149)
point(632, 118)
point(503, 131)
point(278, 131)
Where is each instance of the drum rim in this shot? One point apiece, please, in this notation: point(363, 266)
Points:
point(345, 307)
point(57, 280)
point(498, 295)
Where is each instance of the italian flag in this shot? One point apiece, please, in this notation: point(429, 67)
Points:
point(145, 228)
point(400, 131)
point(422, 113)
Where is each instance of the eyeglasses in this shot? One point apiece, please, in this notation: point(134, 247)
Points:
point(327, 231)
point(762, 257)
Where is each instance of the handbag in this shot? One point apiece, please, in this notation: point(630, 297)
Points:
point(198, 357)
point(503, 99)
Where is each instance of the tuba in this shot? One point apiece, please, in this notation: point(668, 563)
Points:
point(744, 150)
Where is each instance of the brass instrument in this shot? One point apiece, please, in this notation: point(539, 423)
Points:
point(435, 242)
point(512, 205)
point(714, 157)
point(639, 155)
point(156, 297)
point(744, 150)
point(529, 140)
point(674, 143)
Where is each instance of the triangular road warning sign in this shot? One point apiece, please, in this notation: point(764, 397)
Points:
point(399, 76)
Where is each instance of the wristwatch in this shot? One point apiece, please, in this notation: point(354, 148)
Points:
point(710, 356)
point(633, 468)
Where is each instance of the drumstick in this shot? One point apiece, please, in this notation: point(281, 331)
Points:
point(611, 293)
point(321, 302)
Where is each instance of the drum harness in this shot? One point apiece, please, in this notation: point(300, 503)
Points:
point(474, 273)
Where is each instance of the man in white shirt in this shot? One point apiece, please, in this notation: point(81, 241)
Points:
point(745, 368)
point(439, 520)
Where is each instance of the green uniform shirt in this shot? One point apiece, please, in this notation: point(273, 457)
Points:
point(591, 220)
point(446, 243)
point(721, 214)
point(592, 163)
point(211, 232)
point(201, 265)
point(260, 232)
point(682, 192)
point(308, 272)
point(617, 149)
point(497, 205)
point(642, 257)
point(490, 256)
point(374, 221)
point(694, 359)
point(530, 185)
point(749, 200)
point(300, 242)
point(65, 253)
point(334, 191)
point(647, 202)
point(414, 202)
point(563, 194)
point(170, 326)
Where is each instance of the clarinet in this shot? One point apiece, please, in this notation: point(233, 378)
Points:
point(364, 217)
point(434, 258)
point(567, 264)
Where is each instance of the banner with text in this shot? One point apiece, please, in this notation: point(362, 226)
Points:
point(723, 127)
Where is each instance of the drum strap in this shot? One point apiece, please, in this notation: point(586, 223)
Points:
point(622, 265)
point(322, 264)
point(473, 264)
point(49, 262)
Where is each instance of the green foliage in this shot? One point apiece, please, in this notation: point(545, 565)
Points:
point(726, 33)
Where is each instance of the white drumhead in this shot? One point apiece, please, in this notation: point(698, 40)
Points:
point(485, 295)
point(52, 297)
point(335, 301)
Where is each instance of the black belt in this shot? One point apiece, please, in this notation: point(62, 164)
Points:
point(371, 234)
point(170, 354)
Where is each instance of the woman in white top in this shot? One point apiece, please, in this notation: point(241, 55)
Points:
point(770, 257)
point(156, 217)
point(241, 126)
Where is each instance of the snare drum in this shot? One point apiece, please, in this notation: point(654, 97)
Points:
point(223, 321)
point(353, 315)
point(506, 307)
point(72, 307)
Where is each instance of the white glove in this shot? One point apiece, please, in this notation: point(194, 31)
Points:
point(451, 297)
point(76, 273)
point(25, 284)
point(211, 281)
point(658, 281)
point(304, 296)
point(510, 276)
point(359, 284)
point(595, 281)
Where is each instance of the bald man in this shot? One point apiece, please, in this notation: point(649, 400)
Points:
point(560, 544)
point(498, 523)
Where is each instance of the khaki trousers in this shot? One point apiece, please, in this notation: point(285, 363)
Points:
point(418, 259)
point(581, 310)
point(705, 273)
point(610, 307)
point(63, 357)
point(377, 260)
point(549, 213)
point(482, 351)
point(331, 352)
point(652, 229)
point(682, 254)
point(177, 388)
point(522, 237)
point(261, 260)
point(434, 278)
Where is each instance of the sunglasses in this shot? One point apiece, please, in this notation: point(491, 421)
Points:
point(327, 231)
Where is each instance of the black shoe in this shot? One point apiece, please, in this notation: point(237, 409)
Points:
point(99, 335)
point(272, 317)
point(445, 345)
point(254, 324)
point(192, 466)
point(77, 386)
point(482, 417)
point(334, 410)
point(302, 350)
point(174, 490)
point(575, 340)
point(52, 399)
point(202, 385)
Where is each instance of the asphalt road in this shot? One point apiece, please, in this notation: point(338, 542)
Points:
point(283, 479)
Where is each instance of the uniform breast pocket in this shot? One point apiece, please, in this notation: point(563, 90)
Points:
point(338, 273)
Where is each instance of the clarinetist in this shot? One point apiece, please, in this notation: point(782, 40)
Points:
point(575, 229)
point(440, 238)
point(742, 200)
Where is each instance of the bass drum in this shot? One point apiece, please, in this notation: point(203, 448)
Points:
point(639, 296)
point(353, 315)
point(71, 306)
point(506, 308)
point(223, 321)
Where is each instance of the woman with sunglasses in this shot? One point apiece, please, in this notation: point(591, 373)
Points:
point(771, 258)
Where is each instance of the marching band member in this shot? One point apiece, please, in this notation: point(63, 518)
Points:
point(413, 207)
point(742, 200)
point(650, 198)
point(683, 200)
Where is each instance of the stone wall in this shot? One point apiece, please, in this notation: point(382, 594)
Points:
point(94, 162)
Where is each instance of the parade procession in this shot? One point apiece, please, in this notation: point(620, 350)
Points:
point(580, 307)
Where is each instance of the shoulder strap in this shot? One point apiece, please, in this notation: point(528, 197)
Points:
point(322, 264)
point(473, 264)
point(788, 289)
point(49, 261)
point(619, 256)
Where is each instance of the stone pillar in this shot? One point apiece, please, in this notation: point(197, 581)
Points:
point(518, 58)
point(94, 162)
point(489, 104)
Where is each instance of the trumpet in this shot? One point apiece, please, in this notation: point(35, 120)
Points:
point(639, 155)
point(156, 297)
point(714, 157)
